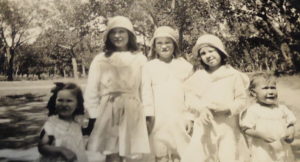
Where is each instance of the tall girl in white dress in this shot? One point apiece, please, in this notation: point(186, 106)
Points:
point(112, 95)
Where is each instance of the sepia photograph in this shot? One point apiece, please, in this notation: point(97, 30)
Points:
point(150, 81)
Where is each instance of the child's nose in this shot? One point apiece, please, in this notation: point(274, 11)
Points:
point(64, 103)
point(117, 34)
point(164, 46)
point(271, 91)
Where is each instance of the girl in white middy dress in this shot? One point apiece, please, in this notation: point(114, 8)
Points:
point(112, 96)
point(216, 94)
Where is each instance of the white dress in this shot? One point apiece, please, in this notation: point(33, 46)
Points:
point(66, 134)
point(272, 121)
point(163, 98)
point(112, 95)
point(222, 140)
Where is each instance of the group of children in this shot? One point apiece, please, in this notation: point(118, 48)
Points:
point(163, 110)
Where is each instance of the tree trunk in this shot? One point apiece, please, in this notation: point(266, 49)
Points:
point(180, 38)
point(10, 56)
point(75, 71)
point(17, 71)
point(248, 61)
point(64, 73)
point(274, 66)
point(267, 65)
point(83, 68)
point(55, 70)
point(286, 52)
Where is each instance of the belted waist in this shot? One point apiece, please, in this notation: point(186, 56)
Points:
point(119, 93)
point(221, 113)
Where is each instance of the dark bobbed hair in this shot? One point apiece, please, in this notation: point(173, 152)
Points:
point(75, 90)
point(109, 47)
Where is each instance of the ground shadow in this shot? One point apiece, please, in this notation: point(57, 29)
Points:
point(21, 119)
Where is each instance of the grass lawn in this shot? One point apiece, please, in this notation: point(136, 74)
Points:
point(23, 112)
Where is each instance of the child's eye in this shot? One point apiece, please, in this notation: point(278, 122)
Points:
point(169, 42)
point(122, 31)
point(59, 100)
point(158, 43)
point(272, 87)
point(201, 53)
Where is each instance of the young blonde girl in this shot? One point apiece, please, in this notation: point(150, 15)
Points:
point(270, 125)
point(215, 94)
point(112, 95)
point(61, 138)
point(163, 95)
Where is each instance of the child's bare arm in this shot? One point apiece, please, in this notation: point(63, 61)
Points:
point(289, 138)
point(266, 137)
point(46, 149)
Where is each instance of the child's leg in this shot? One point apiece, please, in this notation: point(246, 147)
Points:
point(144, 158)
point(175, 158)
point(114, 158)
point(162, 159)
point(168, 158)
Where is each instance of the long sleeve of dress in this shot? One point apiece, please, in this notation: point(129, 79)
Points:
point(91, 95)
point(147, 92)
point(240, 94)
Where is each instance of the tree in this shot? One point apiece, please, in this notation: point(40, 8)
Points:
point(16, 22)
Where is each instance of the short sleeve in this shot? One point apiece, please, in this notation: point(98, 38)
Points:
point(49, 126)
point(290, 117)
point(248, 119)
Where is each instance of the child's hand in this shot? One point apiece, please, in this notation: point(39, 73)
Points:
point(206, 116)
point(89, 128)
point(150, 123)
point(189, 127)
point(218, 107)
point(289, 137)
point(194, 111)
point(266, 137)
point(68, 155)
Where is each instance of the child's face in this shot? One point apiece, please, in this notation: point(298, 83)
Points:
point(210, 56)
point(164, 47)
point(266, 92)
point(119, 37)
point(66, 104)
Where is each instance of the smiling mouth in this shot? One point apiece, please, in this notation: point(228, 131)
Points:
point(118, 40)
point(271, 97)
point(63, 109)
point(211, 61)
